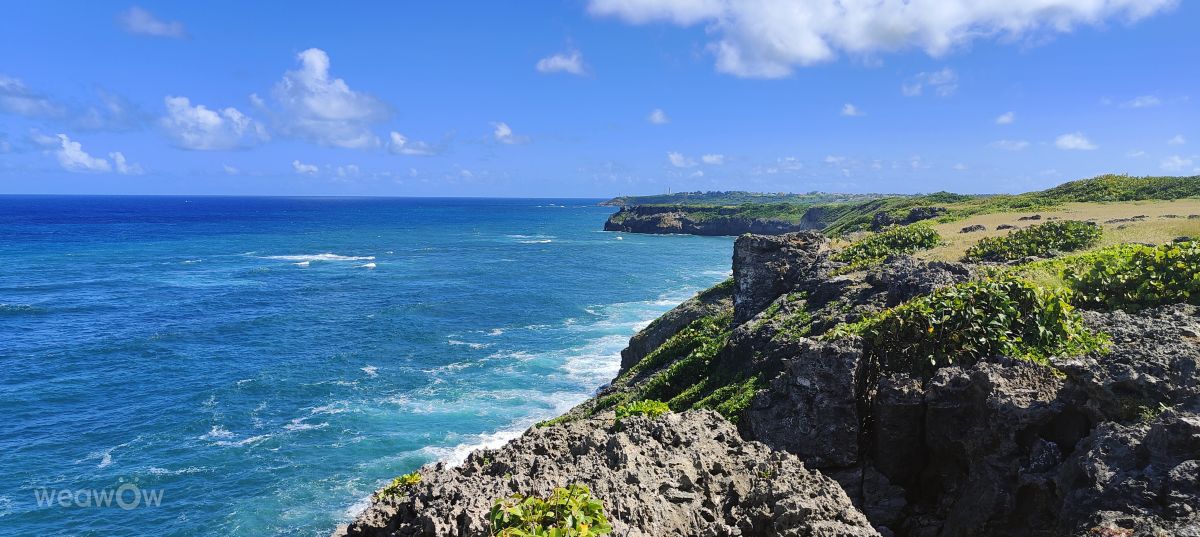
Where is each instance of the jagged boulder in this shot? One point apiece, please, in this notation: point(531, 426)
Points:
point(679, 474)
point(765, 267)
point(811, 409)
point(646, 340)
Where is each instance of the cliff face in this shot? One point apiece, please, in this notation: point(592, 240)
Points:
point(1104, 444)
point(679, 220)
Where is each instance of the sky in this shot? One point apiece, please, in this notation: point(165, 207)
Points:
point(593, 98)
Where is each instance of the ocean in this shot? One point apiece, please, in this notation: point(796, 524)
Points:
point(258, 366)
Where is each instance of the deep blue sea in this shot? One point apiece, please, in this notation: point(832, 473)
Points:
point(264, 364)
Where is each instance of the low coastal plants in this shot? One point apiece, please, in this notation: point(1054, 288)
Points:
point(567, 512)
point(400, 485)
point(1135, 277)
point(1005, 316)
point(1041, 240)
point(874, 248)
point(647, 407)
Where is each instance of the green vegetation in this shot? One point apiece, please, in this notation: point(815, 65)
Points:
point(838, 214)
point(698, 343)
point(874, 248)
point(646, 407)
point(400, 485)
point(728, 198)
point(1005, 315)
point(567, 512)
point(1133, 277)
point(1041, 240)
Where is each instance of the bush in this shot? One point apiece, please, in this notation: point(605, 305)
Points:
point(568, 512)
point(1040, 240)
point(894, 240)
point(649, 408)
point(1005, 316)
point(1135, 277)
point(400, 485)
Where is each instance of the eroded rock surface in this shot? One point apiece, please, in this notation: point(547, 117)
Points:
point(679, 474)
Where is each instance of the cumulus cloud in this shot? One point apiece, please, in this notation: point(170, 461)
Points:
point(944, 83)
point(502, 133)
point(713, 158)
point(1176, 163)
point(17, 98)
point(1010, 145)
point(304, 169)
point(1006, 118)
point(679, 161)
point(769, 38)
point(325, 110)
point(124, 167)
point(570, 61)
point(399, 144)
point(138, 21)
point(199, 128)
point(72, 157)
point(850, 110)
point(1178, 139)
point(658, 117)
point(1074, 141)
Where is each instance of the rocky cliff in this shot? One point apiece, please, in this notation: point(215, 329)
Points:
point(707, 221)
point(814, 437)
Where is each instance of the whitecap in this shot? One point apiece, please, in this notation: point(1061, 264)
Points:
point(371, 370)
point(536, 241)
point(245, 441)
point(217, 431)
point(468, 344)
point(320, 257)
point(191, 261)
point(367, 265)
point(302, 264)
point(495, 332)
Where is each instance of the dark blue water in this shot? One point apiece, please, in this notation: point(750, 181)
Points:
point(266, 363)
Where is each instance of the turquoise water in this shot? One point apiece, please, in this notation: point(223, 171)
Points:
point(266, 363)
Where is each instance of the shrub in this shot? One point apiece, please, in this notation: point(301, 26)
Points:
point(1040, 240)
point(567, 512)
point(400, 485)
point(649, 408)
point(962, 323)
point(891, 241)
point(1136, 277)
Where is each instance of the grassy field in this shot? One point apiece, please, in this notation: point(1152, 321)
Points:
point(1165, 220)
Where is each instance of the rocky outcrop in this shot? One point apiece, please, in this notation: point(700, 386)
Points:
point(766, 267)
point(679, 474)
point(667, 220)
point(916, 214)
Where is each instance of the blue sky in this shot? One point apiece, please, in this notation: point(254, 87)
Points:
point(593, 98)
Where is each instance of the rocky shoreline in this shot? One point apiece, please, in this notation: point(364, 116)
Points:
point(666, 220)
point(825, 443)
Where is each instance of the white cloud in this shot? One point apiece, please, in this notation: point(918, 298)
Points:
point(349, 170)
point(944, 83)
point(834, 159)
point(502, 133)
point(563, 62)
point(1010, 145)
point(850, 110)
point(1006, 118)
point(1175, 163)
point(123, 167)
point(1074, 141)
point(769, 38)
point(1136, 153)
point(73, 158)
point(17, 98)
point(713, 158)
point(230, 170)
point(1144, 101)
point(960, 167)
point(1177, 140)
point(658, 117)
point(304, 169)
point(400, 145)
point(679, 161)
point(197, 127)
point(324, 109)
point(139, 21)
